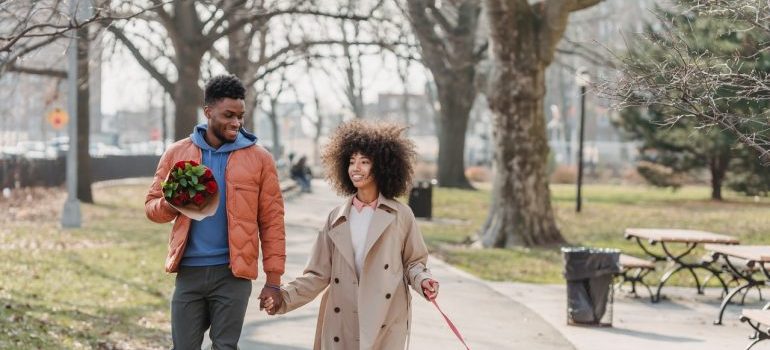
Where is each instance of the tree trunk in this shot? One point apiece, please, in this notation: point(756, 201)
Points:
point(251, 109)
point(275, 129)
point(522, 215)
point(718, 167)
point(448, 51)
point(188, 96)
point(239, 44)
point(84, 193)
point(456, 98)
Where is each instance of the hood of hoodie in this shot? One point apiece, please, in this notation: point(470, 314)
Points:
point(243, 140)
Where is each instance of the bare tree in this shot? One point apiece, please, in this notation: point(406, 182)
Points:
point(318, 122)
point(191, 30)
point(450, 49)
point(37, 26)
point(523, 39)
point(272, 92)
point(26, 26)
point(354, 89)
point(703, 85)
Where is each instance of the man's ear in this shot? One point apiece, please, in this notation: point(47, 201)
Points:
point(207, 112)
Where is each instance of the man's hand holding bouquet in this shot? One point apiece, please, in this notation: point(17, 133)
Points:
point(190, 188)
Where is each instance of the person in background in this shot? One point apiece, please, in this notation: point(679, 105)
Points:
point(301, 173)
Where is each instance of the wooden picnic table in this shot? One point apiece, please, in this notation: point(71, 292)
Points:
point(691, 239)
point(680, 236)
point(742, 262)
point(759, 320)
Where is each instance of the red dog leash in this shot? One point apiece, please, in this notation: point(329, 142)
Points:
point(450, 324)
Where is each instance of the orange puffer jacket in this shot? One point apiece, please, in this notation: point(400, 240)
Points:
point(254, 210)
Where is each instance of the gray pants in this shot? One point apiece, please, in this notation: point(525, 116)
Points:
point(208, 296)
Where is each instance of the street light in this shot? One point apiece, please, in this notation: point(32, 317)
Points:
point(71, 213)
point(582, 79)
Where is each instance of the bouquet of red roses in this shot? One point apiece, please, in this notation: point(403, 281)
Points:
point(190, 188)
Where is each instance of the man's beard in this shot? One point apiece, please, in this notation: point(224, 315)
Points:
point(222, 137)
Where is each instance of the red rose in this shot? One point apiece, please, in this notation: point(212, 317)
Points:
point(211, 187)
point(183, 197)
point(179, 164)
point(207, 174)
point(198, 199)
point(193, 163)
point(177, 200)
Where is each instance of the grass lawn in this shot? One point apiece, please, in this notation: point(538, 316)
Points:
point(607, 211)
point(99, 287)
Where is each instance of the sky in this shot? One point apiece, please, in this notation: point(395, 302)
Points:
point(127, 86)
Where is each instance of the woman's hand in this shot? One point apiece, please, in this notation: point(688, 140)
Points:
point(429, 288)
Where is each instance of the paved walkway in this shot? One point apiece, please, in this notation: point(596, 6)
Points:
point(681, 321)
point(488, 319)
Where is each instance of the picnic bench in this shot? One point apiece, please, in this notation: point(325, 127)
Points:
point(633, 270)
point(742, 262)
point(760, 321)
point(689, 239)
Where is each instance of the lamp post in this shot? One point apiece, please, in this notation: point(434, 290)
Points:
point(71, 217)
point(582, 79)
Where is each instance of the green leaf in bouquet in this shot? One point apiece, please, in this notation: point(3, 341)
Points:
point(169, 194)
point(174, 185)
point(187, 166)
point(179, 173)
point(188, 173)
point(200, 187)
point(191, 192)
point(183, 181)
point(199, 170)
point(194, 180)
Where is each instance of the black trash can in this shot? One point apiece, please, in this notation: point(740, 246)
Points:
point(421, 199)
point(589, 273)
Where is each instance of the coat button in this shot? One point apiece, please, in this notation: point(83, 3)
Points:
point(336, 280)
point(337, 310)
point(386, 266)
point(336, 339)
point(387, 296)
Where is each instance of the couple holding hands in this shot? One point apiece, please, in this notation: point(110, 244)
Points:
point(365, 258)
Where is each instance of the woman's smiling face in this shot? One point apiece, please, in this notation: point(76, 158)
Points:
point(360, 171)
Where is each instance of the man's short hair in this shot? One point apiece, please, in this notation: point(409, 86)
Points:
point(223, 86)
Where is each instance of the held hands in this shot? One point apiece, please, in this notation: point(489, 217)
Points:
point(270, 299)
point(429, 288)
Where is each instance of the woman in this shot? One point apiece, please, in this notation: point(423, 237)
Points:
point(370, 249)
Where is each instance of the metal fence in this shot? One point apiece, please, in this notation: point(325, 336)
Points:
point(25, 172)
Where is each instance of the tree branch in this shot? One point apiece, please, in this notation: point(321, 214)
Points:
point(144, 62)
point(51, 72)
point(214, 35)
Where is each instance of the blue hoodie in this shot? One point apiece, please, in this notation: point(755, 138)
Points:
point(207, 244)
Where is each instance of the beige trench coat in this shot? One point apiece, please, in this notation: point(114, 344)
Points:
point(372, 313)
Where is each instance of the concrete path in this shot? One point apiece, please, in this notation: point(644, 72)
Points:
point(488, 319)
point(681, 321)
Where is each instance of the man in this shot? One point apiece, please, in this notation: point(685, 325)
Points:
point(216, 258)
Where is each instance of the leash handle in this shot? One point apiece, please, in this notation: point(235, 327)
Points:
point(450, 324)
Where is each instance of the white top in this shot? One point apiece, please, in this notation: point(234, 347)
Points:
point(359, 227)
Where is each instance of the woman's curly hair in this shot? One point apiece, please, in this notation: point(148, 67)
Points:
point(384, 143)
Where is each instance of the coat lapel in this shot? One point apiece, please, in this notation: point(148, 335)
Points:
point(340, 234)
point(381, 219)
